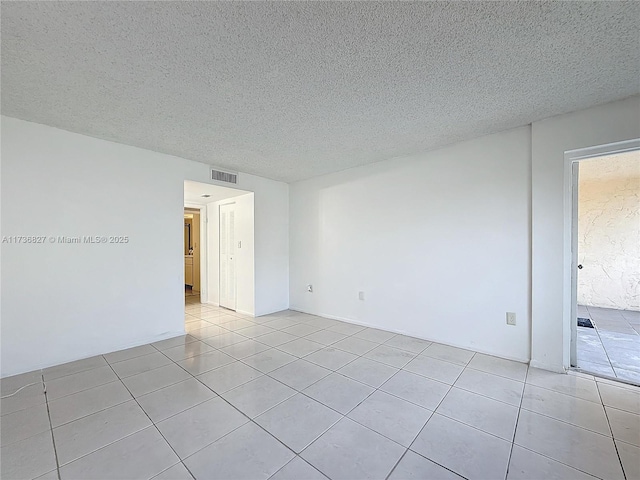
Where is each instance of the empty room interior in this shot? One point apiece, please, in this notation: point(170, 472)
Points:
point(320, 240)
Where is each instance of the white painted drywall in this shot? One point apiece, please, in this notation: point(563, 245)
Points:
point(271, 244)
point(193, 192)
point(609, 231)
point(439, 243)
point(65, 302)
point(551, 231)
point(244, 233)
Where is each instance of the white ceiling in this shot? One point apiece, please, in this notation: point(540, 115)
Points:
point(290, 90)
point(193, 192)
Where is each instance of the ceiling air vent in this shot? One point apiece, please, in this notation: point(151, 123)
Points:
point(221, 176)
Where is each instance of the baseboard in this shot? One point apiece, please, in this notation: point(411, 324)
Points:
point(547, 366)
point(154, 339)
point(270, 311)
point(82, 356)
point(410, 334)
point(332, 317)
point(237, 311)
point(250, 314)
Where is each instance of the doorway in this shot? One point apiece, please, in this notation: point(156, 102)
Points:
point(605, 267)
point(225, 267)
point(192, 254)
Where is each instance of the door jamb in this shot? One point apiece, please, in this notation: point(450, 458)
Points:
point(571, 159)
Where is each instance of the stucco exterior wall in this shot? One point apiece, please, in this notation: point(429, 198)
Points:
point(609, 232)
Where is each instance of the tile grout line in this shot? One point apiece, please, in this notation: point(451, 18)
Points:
point(528, 449)
point(97, 411)
point(296, 356)
point(334, 371)
point(414, 438)
point(297, 391)
point(250, 420)
point(450, 386)
point(82, 391)
point(53, 439)
point(430, 460)
point(375, 389)
point(615, 374)
point(430, 417)
point(152, 423)
point(610, 364)
point(566, 422)
point(404, 454)
point(342, 416)
point(565, 395)
point(486, 396)
point(551, 458)
point(515, 428)
point(615, 445)
point(353, 335)
point(79, 371)
point(324, 346)
point(301, 459)
point(331, 345)
point(616, 383)
point(378, 389)
point(110, 443)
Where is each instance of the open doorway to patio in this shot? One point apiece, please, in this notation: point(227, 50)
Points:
point(607, 265)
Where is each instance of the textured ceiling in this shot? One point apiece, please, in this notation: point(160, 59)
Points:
point(290, 90)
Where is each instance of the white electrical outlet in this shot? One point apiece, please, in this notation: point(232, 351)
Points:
point(310, 288)
point(361, 295)
point(511, 318)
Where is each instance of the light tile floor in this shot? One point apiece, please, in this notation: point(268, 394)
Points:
point(612, 348)
point(295, 396)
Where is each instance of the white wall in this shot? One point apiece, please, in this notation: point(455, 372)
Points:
point(65, 302)
point(551, 254)
point(609, 231)
point(271, 245)
point(244, 232)
point(439, 243)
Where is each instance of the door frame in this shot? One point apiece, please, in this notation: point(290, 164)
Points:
point(570, 307)
point(235, 288)
point(204, 245)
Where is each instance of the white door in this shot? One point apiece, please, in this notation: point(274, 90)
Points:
point(227, 256)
